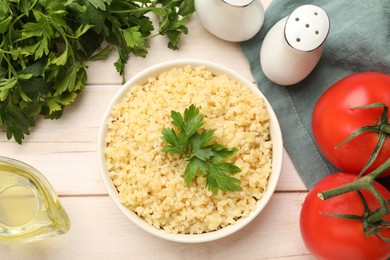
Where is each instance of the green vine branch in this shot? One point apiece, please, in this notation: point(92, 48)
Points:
point(373, 220)
point(382, 128)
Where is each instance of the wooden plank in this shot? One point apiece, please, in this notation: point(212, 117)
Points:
point(100, 231)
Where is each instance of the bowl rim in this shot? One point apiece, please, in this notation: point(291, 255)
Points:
point(277, 152)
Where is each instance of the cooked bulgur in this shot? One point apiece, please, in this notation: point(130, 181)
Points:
point(150, 182)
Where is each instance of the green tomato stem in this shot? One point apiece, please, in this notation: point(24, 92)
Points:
point(359, 184)
point(384, 207)
point(385, 128)
point(365, 183)
point(382, 128)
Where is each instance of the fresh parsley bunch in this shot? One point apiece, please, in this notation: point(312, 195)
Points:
point(203, 155)
point(45, 44)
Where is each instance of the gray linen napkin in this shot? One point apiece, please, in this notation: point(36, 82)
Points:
point(359, 40)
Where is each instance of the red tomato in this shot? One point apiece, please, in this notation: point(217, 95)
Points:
point(333, 238)
point(335, 117)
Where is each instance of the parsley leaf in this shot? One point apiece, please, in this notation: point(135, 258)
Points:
point(204, 156)
point(218, 177)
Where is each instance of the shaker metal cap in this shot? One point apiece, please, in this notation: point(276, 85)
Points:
point(307, 28)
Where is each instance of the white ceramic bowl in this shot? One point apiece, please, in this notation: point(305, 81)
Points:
point(277, 154)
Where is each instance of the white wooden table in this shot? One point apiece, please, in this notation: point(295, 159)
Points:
point(65, 152)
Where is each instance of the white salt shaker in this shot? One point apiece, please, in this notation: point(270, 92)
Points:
point(294, 45)
point(231, 20)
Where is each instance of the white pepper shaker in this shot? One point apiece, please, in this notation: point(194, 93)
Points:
point(294, 45)
point(231, 20)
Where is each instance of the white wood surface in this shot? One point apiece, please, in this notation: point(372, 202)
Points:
point(65, 152)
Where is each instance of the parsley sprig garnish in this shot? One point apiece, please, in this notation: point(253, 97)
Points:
point(204, 156)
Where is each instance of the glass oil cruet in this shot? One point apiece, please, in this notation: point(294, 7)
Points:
point(29, 208)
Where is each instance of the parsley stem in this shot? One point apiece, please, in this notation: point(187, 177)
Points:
point(138, 10)
point(11, 70)
point(33, 4)
point(151, 36)
point(11, 28)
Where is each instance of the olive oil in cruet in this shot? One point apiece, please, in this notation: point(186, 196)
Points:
point(29, 208)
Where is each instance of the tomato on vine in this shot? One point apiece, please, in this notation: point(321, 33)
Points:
point(356, 106)
point(348, 225)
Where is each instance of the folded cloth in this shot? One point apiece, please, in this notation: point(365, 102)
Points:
point(358, 40)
